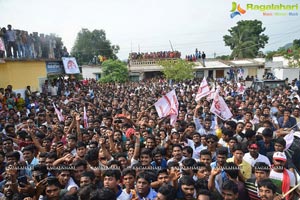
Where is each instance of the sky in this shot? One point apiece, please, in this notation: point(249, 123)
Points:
point(149, 25)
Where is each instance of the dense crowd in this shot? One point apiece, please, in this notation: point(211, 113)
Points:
point(85, 140)
point(20, 44)
point(154, 55)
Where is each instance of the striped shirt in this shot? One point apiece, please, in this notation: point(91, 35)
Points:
point(251, 188)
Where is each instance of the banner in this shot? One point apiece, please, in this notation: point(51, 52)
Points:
point(220, 108)
point(168, 106)
point(203, 90)
point(70, 65)
point(54, 67)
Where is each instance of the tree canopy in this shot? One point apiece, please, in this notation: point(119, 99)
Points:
point(246, 39)
point(91, 44)
point(290, 51)
point(114, 71)
point(177, 70)
point(293, 54)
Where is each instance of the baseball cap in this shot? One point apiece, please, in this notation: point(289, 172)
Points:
point(279, 156)
point(129, 132)
point(253, 146)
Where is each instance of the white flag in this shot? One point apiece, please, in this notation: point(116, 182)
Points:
point(203, 90)
point(241, 88)
point(212, 94)
point(289, 138)
point(220, 108)
point(168, 106)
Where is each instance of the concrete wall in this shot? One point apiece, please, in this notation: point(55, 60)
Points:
point(19, 74)
point(90, 72)
point(290, 73)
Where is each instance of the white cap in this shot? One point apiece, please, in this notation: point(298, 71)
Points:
point(260, 130)
point(279, 156)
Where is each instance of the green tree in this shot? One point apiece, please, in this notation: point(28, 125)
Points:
point(89, 44)
point(114, 71)
point(177, 70)
point(246, 39)
point(293, 54)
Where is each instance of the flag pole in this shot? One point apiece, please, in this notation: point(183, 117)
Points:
point(295, 125)
point(291, 190)
point(149, 107)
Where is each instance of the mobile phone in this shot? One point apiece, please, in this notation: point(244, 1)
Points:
point(60, 143)
point(39, 177)
point(23, 180)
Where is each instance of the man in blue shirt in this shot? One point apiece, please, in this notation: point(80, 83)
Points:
point(266, 144)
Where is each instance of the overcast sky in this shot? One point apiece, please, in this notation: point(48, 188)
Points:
point(147, 25)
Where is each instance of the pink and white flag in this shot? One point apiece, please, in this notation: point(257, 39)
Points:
point(240, 88)
point(203, 90)
point(58, 113)
point(85, 119)
point(212, 94)
point(220, 108)
point(168, 106)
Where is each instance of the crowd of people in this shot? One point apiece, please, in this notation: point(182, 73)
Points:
point(19, 44)
point(154, 55)
point(197, 56)
point(92, 141)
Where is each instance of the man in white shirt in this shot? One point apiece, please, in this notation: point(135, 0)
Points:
point(65, 179)
point(196, 145)
point(283, 178)
point(253, 156)
point(177, 154)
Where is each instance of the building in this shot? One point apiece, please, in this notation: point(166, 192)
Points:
point(21, 73)
point(91, 71)
point(140, 69)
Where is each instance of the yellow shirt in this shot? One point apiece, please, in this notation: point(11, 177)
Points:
point(246, 169)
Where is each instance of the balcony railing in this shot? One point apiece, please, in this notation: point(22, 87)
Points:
point(148, 62)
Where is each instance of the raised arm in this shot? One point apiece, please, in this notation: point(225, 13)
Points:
point(104, 150)
point(137, 146)
point(36, 141)
point(78, 131)
point(110, 136)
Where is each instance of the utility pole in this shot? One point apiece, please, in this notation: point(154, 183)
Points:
point(171, 45)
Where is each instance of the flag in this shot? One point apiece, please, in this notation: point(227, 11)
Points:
point(220, 108)
point(211, 94)
point(240, 88)
point(289, 138)
point(85, 119)
point(203, 90)
point(168, 106)
point(58, 113)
